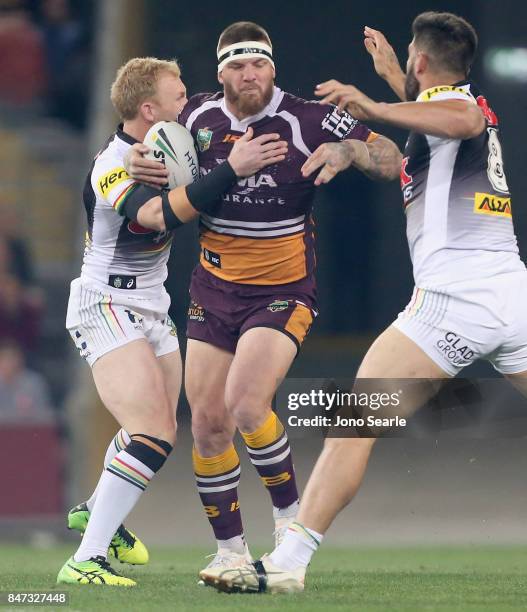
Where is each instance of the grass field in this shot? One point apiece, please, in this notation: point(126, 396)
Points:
point(417, 579)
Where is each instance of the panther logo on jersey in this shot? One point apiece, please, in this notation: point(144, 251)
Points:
point(490, 115)
point(406, 180)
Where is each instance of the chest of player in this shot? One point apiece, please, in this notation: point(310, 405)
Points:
point(276, 187)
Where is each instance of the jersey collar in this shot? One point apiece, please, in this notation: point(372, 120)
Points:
point(461, 86)
point(124, 136)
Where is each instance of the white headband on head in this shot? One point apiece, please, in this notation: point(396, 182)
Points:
point(246, 49)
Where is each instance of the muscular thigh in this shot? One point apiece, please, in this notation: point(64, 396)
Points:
point(171, 368)
point(395, 355)
point(395, 363)
point(206, 369)
point(130, 383)
point(263, 358)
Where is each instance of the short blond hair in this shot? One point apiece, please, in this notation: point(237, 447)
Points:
point(136, 82)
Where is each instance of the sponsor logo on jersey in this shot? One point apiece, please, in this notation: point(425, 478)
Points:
point(256, 181)
point(204, 138)
point(212, 258)
point(107, 182)
point(278, 306)
point(123, 282)
point(435, 91)
point(231, 138)
point(488, 204)
point(339, 124)
point(455, 349)
point(196, 312)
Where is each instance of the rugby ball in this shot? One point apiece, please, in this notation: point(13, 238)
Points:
point(173, 145)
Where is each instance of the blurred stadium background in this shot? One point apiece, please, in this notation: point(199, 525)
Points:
point(57, 60)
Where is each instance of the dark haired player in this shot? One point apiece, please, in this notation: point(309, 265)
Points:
point(471, 286)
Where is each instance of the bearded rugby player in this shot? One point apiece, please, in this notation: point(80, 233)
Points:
point(253, 295)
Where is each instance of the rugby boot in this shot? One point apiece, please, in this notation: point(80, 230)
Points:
point(258, 577)
point(125, 546)
point(226, 559)
point(94, 571)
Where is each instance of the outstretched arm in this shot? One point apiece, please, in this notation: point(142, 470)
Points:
point(385, 61)
point(379, 159)
point(459, 119)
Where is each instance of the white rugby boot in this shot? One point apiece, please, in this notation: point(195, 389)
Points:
point(225, 559)
point(258, 577)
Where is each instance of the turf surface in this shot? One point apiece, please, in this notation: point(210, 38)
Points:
point(398, 579)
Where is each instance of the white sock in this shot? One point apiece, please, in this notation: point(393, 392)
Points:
point(236, 544)
point(297, 548)
point(120, 441)
point(120, 487)
point(287, 512)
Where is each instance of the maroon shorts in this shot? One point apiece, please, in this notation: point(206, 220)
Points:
point(221, 311)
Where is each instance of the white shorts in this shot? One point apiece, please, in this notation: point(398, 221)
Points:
point(480, 319)
point(101, 319)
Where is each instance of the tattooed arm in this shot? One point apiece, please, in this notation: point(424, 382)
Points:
point(379, 159)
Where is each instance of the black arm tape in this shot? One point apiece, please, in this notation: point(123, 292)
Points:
point(169, 216)
point(139, 196)
point(204, 193)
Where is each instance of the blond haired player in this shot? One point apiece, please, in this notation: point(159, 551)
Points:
point(118, 308)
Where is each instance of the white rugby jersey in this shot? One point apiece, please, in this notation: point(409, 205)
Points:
point(457, 201)
point(120, 252)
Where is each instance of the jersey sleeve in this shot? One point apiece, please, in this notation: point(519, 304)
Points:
point(326, 124)
point(112, 183)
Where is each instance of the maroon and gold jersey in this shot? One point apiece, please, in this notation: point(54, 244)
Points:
point(261, 232)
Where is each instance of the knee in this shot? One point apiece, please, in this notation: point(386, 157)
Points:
point(159, 419)
point(247, 410)
point(169, 433)
point(212, 431)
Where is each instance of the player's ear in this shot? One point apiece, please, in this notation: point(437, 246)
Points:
point(146, 111)
point(220, 78)
point(421, 63)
